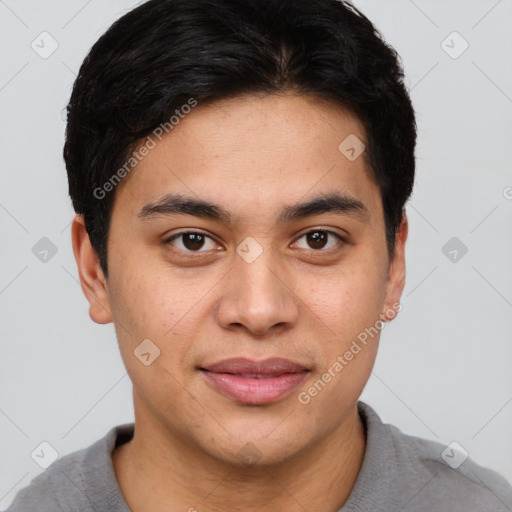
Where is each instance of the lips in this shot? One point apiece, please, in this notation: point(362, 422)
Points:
point(255, 382)
point(241, 365)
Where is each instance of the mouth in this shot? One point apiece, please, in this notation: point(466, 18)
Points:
point(246, 381)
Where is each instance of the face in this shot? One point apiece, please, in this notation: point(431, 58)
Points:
point(250, 275)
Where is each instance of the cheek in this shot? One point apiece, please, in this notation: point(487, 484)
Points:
point(146, 303)
point(350, 311)
point(347, 302)
point(147, 308)
point(164, 309)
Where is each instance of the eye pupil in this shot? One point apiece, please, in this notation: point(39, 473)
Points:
point(193, 241)
point(317, 239)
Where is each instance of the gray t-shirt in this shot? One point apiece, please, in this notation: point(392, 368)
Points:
point(399, 473)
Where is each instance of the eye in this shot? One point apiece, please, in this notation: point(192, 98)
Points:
point(318, 239)
point(191, 241)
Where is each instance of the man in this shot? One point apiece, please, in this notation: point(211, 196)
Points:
point(239, 171)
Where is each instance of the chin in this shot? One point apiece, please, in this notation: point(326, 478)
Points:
point(257, 448)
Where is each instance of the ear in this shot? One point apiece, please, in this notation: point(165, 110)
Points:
point(396, 274)
point(92, 279)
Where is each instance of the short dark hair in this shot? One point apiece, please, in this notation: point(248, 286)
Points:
point(157, 57)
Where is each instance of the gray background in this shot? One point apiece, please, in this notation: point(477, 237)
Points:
point(444, 368)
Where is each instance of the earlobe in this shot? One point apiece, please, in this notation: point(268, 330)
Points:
point(92, 278)
point(396, 275)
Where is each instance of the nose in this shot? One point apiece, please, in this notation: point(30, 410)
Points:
point(257, 296)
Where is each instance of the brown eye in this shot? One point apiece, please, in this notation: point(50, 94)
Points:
point(191, 241)
point(318, 239)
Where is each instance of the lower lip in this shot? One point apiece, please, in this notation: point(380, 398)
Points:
point(255, 391)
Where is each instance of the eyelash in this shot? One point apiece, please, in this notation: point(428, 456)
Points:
point(195, 254)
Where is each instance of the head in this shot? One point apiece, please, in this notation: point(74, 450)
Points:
point(242, 126)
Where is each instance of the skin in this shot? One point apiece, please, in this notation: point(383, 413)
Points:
point(253, 155)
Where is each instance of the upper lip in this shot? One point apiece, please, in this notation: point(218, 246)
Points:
point(242, 365)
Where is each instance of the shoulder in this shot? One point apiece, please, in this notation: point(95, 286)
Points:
point(56, 484)
point(428, 475)
point(453, 477)
point(75, 481)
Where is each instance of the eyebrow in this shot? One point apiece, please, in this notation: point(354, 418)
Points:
point(333, 202)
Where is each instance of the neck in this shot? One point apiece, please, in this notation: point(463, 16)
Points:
point(177, 477)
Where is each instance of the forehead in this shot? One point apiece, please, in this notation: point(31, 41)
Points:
point(252, 152)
